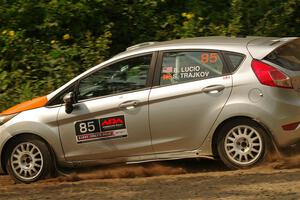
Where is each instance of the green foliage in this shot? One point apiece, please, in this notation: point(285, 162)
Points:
point(30, 67)
point(43, 44)
point(283, 19)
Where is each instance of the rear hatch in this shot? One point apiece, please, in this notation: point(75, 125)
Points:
point(282, 53)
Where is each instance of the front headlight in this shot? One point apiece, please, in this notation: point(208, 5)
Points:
point(6, 118)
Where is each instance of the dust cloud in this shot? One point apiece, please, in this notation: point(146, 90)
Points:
point(174, 167)
point(274, 162)
point(281, 162)
point(127, 171)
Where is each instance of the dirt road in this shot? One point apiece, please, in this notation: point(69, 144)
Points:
point(186, 179)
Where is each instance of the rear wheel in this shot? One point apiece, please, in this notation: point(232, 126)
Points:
point(243, 144)
point(28, 160)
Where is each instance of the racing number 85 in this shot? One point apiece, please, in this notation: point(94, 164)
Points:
point(211, 58)
point(90, 126)
point(87, 127)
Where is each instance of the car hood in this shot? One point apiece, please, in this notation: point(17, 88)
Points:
point(27, 105)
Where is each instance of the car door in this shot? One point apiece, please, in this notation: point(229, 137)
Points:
point(110, 119)
point(191, 88)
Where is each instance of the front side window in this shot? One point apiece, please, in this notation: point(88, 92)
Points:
point(123, 76)
point(179, 67)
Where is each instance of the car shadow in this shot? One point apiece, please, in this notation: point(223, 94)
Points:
point(197, 165)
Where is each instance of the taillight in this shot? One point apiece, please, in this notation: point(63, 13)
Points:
point(268, 75)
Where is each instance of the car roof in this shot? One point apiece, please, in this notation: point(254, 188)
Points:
point(220, 41)
point(258, 46)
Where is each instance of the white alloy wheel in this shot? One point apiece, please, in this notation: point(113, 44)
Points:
point(29, 159)
point(243, 145)
point(26, 161)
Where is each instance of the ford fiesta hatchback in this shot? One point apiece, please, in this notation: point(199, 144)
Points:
point(229, 98)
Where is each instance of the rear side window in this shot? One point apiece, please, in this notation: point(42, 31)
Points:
point(186, 66)
point(287, 56)
point(235, 59)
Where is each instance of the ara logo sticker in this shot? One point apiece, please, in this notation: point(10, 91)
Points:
point(112, 123)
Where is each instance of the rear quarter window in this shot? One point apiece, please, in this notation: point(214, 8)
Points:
point(286, 56)
point(234, 59)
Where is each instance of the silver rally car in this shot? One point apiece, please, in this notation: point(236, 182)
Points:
point(229, 98)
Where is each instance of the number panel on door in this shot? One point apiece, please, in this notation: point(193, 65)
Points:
point(100, 129)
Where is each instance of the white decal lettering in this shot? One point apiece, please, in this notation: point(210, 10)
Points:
point(194, 74)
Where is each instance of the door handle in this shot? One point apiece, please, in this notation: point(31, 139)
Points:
point(213, 89)
point(129, 104)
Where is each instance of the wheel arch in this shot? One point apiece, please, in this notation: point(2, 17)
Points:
point(235, 118)
point(9, 142)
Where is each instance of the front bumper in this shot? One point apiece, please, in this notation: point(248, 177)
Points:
point(4, 137)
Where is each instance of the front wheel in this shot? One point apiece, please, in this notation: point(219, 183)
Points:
point(243, 144)
point(29, 160)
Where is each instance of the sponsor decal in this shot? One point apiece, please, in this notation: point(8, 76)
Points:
point(112, 123)
point(100, 129)
point(226, 77)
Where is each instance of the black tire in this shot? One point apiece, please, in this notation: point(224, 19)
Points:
point(250, 147)
point(27, 161)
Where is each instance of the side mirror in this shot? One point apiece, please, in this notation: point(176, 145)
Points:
point(69, 101)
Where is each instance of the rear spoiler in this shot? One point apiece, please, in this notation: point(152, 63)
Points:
point(261, 47)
